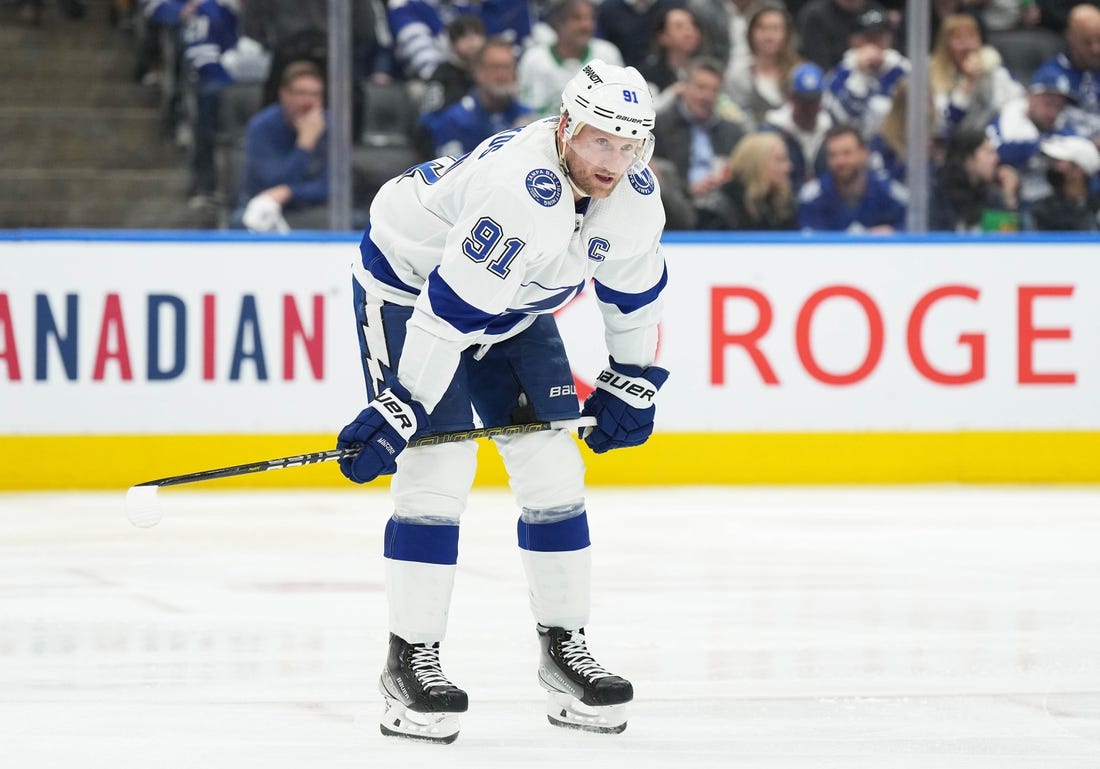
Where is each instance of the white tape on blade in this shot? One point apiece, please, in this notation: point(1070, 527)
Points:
point(143, 506)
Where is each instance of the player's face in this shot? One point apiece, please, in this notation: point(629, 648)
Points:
point(598, 160)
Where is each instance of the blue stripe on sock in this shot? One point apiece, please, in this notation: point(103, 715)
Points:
point(416, 542)
point(570, 534)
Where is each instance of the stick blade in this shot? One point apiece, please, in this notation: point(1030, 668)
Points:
point(143, 507)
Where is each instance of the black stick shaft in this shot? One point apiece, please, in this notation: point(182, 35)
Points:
point(336, 454)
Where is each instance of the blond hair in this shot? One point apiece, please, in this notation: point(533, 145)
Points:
point(942, 71)
point(746, 165)
point(893, 128)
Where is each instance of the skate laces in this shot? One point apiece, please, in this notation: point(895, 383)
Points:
point(575, 653)
point(424, 662)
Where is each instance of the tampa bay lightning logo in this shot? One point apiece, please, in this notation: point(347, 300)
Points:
point(642, 182)
point(544, 186)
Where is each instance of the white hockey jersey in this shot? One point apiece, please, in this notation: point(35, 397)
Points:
point(482, 244)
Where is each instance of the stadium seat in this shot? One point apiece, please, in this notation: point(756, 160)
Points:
point(373, 165)
point(389, 115)
point(1023, 50)
point(239, 102)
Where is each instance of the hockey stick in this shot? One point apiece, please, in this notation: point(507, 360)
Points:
point(143, 507)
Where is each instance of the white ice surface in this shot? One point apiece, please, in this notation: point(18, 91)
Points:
point(780, 628)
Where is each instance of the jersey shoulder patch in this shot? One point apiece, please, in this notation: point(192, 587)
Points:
point(642, 181)
point(544, 186)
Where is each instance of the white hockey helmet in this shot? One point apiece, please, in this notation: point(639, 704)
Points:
point(613, 99)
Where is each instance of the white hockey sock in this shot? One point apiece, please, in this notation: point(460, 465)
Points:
point(560, 585)
point(419, 596)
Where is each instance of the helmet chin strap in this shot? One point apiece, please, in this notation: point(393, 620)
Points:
point(559, 135)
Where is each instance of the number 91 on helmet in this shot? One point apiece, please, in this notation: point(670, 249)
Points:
point(616, 101)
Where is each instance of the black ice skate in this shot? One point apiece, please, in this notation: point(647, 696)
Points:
point(421, 703)
point(583, 694)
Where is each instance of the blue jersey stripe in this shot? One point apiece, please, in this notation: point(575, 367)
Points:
point(451, 307)
point(628, 303)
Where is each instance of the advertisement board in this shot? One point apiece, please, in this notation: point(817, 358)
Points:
point(796, 343)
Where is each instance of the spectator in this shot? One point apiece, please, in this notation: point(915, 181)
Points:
point(1080, 63)
point(966, 194)
point(545, 69)
point(629, 25)
point(676, 41)
point(968, 82)
point(489, 108)
point(209, 30)
point(692, 135)
point(160, 60)
point(802, 124)
point(1021, 127)
point(286, 158)
point(418, 28)
point(847, 197)
point(725, 25)
point(825, 26)
point(757, 85)
point(860, 89)
point(757, 194)
point(454, 77)
point(1073, 203)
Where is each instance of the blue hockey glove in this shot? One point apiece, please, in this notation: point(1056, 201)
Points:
point(623, 406)
point(383, 429)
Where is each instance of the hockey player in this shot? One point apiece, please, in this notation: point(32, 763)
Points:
point(462, 265)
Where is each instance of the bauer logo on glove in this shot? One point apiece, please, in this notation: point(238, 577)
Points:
point(382, 430)
point(397, 413)
point(625, 386)
point(623, 406)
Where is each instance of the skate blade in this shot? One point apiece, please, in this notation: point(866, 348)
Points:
point(400, 721)
point(568, 712)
